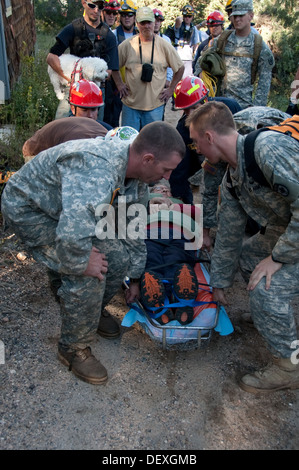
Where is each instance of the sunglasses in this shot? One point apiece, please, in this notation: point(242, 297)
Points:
point(127, 14)
point(92, 6)
point(110, 12)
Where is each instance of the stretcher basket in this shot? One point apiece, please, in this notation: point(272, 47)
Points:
point(196, 334)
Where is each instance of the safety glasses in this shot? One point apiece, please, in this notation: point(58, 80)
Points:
point(92, 6)
point(127, 14)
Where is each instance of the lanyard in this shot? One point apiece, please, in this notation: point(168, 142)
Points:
point(140, 50)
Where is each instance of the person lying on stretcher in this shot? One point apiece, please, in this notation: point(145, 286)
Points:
point(172, 245)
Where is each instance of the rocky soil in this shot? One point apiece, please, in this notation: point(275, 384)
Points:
point(155, 399)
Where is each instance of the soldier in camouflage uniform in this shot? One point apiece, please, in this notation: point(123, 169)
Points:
point(270, 259)
point(246, 121)
point(53, 204)
point(237, 55)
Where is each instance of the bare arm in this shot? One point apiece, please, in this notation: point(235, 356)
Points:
point(54, 62)
point(168, 92)
point(120, 85)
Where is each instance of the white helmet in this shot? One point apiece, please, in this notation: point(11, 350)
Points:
point(122, 134)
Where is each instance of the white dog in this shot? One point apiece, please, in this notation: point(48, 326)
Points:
point(93, 69)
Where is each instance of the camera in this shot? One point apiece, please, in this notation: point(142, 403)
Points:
point(147, 72)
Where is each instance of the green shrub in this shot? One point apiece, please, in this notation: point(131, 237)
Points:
point(33, 104)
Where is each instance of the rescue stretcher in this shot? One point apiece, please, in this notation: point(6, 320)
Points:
point(208, 316)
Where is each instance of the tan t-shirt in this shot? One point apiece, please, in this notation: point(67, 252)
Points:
point(145, 95)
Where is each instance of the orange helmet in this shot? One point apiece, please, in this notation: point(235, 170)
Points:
point(215, 18)
point(86, 94)
point(190, 91)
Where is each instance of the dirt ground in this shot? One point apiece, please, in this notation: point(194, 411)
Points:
point(154, 400)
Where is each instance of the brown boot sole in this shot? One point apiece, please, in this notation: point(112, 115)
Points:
point(250, 389)
point(89, 380)
point(106, 335)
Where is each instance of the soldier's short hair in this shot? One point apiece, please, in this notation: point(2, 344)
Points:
point(213, 115)
point(160, 139)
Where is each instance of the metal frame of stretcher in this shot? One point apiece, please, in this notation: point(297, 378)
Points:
point(164, 328)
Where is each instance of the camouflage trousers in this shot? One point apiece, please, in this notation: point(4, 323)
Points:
point(82, 298)
point(271, 310)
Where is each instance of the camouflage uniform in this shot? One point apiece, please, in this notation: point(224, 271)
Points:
point(238, 78)
point(253, 118)
point(278, 212)
point(213, 175)
point(237, 83)
point(246, 121)
point(51, 205)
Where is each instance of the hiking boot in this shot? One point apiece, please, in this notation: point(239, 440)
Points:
point(84, 365)
point(184, 315)
point(185, 283)
point(108, 326)
point(166, 317)
point(152, 290)
point(282, 374)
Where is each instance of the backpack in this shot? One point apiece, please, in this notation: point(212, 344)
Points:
point(258, 40)
point(89, 44)
point(288, 127)
point(212, 63)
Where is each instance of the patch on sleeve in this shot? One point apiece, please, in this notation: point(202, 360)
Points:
point(287, 189)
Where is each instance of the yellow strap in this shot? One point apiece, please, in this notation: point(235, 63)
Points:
point(114, 195)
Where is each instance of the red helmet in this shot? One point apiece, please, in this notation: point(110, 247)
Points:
point(111, 5)
point(215, 18)
point(190, 91)
point(158, 14)
point(86, 94)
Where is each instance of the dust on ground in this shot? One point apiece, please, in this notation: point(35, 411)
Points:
point(155, 399)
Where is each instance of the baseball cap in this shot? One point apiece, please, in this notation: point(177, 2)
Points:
point(145, 14)
point(241, 7)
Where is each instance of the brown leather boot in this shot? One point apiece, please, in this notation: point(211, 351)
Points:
point(108, 326)
point(84, 365)
point(282, 374)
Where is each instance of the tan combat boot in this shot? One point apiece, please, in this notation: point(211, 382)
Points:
point(282, 374)
point(108, 326)
point(84, 365)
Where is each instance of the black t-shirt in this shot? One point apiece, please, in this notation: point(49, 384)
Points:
point(66, 38)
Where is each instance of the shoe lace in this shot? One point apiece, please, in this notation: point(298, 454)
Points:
point(84, 354)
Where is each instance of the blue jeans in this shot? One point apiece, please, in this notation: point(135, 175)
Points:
point(137, 118)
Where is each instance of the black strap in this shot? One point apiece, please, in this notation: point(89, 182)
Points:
point(252, 167)
point(140, 50)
